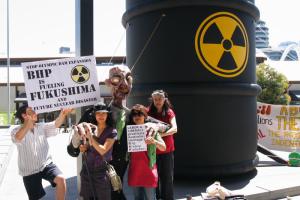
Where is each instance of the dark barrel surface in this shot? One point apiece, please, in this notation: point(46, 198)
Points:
point(202, 53)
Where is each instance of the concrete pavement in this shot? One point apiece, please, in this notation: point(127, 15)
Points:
point(268, 181)
point(6, 149)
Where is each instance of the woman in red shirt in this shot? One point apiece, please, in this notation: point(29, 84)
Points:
point(160, 108)
point(142, 172)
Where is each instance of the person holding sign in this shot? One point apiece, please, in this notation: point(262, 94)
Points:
point(96, 141)
point(142, 172)
point(161, 109)
point(34, 161)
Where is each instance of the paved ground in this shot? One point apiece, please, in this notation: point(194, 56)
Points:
point(6, 149)
point(269, 181)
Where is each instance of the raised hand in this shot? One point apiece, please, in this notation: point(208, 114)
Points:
point(66, 111)
point(28, 121)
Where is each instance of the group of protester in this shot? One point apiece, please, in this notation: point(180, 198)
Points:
point(101, 138)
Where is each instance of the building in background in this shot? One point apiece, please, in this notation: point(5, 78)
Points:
point(286, 51)
point(284, 58)
point(261, 35)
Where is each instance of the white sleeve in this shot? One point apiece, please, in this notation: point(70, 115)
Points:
point(49, 129)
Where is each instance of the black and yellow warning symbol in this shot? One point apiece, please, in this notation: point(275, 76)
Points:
point(222, 45)
point(80, 74)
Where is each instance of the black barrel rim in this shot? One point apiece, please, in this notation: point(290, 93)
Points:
point(149, 6)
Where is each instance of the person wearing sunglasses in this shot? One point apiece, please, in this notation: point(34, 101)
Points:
point(142, 171)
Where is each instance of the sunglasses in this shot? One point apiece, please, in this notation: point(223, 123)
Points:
point(138, 114)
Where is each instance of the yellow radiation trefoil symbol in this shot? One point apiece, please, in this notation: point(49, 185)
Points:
point(222, 45)
point(80, 74)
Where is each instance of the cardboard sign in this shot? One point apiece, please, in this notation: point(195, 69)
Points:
point(63, 83)
point(136, 135)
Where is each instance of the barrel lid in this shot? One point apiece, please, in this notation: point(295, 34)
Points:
point(138, 7)
point(133, 3)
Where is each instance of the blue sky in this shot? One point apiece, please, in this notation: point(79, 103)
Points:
point(40, 27)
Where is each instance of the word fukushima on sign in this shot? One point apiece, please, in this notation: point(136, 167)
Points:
point(53, 84)
point(61, 92)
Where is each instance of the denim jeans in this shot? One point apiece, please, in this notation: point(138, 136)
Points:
point(143, 193)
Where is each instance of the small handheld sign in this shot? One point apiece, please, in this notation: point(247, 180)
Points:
point(136, 135)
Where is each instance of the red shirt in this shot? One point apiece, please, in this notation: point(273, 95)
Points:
point(139, 172)
point(169, 140)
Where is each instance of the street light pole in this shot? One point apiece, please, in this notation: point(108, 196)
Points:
point(8, 65)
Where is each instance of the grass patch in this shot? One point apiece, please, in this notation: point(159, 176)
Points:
point(3, 118)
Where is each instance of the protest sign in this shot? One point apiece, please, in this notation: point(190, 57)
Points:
point(63, 83)
point(136, 138)
point(278, 126)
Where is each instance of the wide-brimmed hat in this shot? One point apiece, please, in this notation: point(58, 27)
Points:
point(101, 107)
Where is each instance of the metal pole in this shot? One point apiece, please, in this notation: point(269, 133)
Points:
point(78, 110)
point(84, 44)
point(8, 66)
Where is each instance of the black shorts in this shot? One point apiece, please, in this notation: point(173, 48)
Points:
point(33, 183)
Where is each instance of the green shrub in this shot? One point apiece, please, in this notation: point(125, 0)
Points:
point(274, 85)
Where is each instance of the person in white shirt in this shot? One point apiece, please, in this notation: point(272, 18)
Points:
point(34, 161)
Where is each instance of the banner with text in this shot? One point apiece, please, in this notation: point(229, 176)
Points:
point(63, 83)
point(136, 135)
point(278, 126)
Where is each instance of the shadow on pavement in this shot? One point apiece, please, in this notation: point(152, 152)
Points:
point(182, 187)
point(71, 190)
point(195, 186)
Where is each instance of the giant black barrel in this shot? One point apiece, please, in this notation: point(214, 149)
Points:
point(202, 52)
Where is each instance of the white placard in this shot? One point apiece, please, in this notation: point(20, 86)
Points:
point(136, 135)
point(63, 83)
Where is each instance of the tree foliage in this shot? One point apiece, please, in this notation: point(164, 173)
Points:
point(274, 85)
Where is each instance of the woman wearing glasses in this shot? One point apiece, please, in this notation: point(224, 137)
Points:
point(142, 172)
